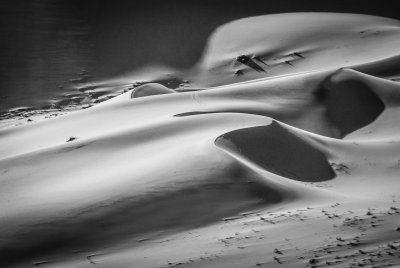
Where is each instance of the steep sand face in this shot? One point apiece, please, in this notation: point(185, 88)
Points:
point(279, 151)
point(350, 103)
point(293, 165)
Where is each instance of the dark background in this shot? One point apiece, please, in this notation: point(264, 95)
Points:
point(46, 43)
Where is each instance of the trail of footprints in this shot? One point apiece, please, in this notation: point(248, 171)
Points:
point(366, 246)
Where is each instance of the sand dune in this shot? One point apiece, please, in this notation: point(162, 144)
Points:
point(150, 89)
point(282, 152)
point(350, 104)
point(294, 165)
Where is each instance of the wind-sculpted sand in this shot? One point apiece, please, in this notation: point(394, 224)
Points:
point(281, 148)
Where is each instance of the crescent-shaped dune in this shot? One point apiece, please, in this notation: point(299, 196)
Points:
point(284, 152)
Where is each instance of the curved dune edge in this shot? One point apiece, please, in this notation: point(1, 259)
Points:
point(277, 150)
point(350, 103)
point(150, 89)
point(385, 68)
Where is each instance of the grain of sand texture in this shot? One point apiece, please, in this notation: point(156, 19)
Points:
point(282, 149)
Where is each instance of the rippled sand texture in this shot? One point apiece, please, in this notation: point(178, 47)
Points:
point(283, 152)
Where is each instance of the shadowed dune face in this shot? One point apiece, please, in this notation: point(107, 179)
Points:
point(277, 150)
point(350, 103)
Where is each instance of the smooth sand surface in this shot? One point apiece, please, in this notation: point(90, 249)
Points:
point(280, 148)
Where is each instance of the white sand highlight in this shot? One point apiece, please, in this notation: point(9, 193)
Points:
point(150, 89)
point(294, 165)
